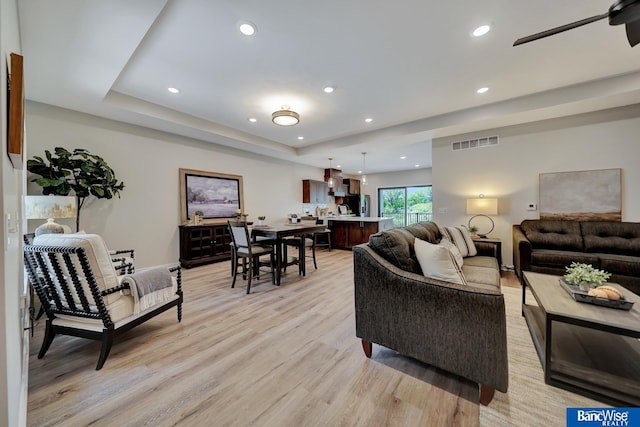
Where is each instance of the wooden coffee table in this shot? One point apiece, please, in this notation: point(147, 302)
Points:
point(584, 348)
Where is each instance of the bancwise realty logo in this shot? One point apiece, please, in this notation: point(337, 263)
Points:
point(587, 417)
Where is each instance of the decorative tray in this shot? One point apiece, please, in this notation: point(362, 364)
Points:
point(582, 296)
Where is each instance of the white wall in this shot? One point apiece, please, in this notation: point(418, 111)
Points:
point(509, 171)
point(147, 215)
point(13, 372)
point(410, 178)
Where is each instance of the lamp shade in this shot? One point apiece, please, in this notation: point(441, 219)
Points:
point(482, 206)
point(44, 207)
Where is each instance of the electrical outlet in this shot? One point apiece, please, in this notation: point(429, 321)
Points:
point(443, 210)
point(532, 207)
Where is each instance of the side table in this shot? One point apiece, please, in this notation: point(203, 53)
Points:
point(496, 245)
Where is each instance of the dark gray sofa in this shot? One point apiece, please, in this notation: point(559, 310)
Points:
point(460, 329)
point(548, 246)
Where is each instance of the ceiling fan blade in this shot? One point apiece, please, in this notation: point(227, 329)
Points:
point(633, 32)
point(560, 29)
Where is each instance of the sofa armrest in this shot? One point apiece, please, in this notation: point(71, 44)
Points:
point(461, 329)
point(485, 249)
point(521, 251)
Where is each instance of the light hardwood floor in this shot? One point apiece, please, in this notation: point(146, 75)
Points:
point(281, 356)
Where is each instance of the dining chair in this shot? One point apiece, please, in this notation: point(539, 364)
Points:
point(309, 241)
point(250, 253)
point(322, 238)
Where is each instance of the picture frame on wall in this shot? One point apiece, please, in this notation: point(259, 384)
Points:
point(217, 195)
point(15, 101)
point(591, 195)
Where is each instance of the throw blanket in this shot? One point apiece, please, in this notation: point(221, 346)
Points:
point(149, 287)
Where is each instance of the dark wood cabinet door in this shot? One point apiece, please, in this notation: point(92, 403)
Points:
point(315, 191)
point(339, 235)
point(307, 191)
point(204, 244)
point(352, 185)
point(347, 234)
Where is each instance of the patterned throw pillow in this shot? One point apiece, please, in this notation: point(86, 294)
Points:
point(457, 256)
point(460, 237)
point(437, 262)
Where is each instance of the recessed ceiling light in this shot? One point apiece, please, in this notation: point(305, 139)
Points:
point(338, 166)
point(482, 90)
point(481, 30)
point(360, 172)
point(403, 157)
point(368, 120)
point(247, 28)
point(328, 89)
point(417, 166)
point(301, 138)
point(253, 119)
point(173, 89)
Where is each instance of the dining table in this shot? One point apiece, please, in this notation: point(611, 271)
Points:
point(278, 232)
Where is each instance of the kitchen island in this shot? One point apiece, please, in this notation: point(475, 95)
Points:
point(349, 231)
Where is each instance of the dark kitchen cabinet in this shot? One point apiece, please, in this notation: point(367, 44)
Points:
point(315, 192)
point(339, 189)
point(204, 244)
point(347, 234)
point(352, 185)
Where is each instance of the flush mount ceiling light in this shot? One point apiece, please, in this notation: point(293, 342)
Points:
point(328, 89)
point(368, 120)
point(482, 90)
point(173, 89)
point(285, 117)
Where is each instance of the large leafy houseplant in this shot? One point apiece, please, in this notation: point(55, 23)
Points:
point(79, 171)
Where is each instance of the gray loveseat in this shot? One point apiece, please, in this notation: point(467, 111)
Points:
point(548, 246)
point(460, 329)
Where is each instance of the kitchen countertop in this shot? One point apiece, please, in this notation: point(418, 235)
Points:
point(358, 218)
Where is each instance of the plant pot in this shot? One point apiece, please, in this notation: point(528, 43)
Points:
point(261, 222)
point(586, 286)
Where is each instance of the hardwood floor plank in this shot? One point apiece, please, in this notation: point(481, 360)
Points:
point(280, 356)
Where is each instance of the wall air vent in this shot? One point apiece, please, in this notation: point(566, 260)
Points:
point(474, 143)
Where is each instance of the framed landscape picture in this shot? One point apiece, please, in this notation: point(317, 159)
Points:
point(593, 195)
point(217, 195)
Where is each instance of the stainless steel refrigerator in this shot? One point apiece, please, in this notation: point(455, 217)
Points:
point(360, 205)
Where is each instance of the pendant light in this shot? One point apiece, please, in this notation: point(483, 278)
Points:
point(330, 181)
point(364, 170)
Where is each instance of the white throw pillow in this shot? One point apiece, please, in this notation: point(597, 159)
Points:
point(457, 256)
point(461, 237)
point(437, 262)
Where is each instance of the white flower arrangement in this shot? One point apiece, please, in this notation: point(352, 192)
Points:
point(580, 273)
